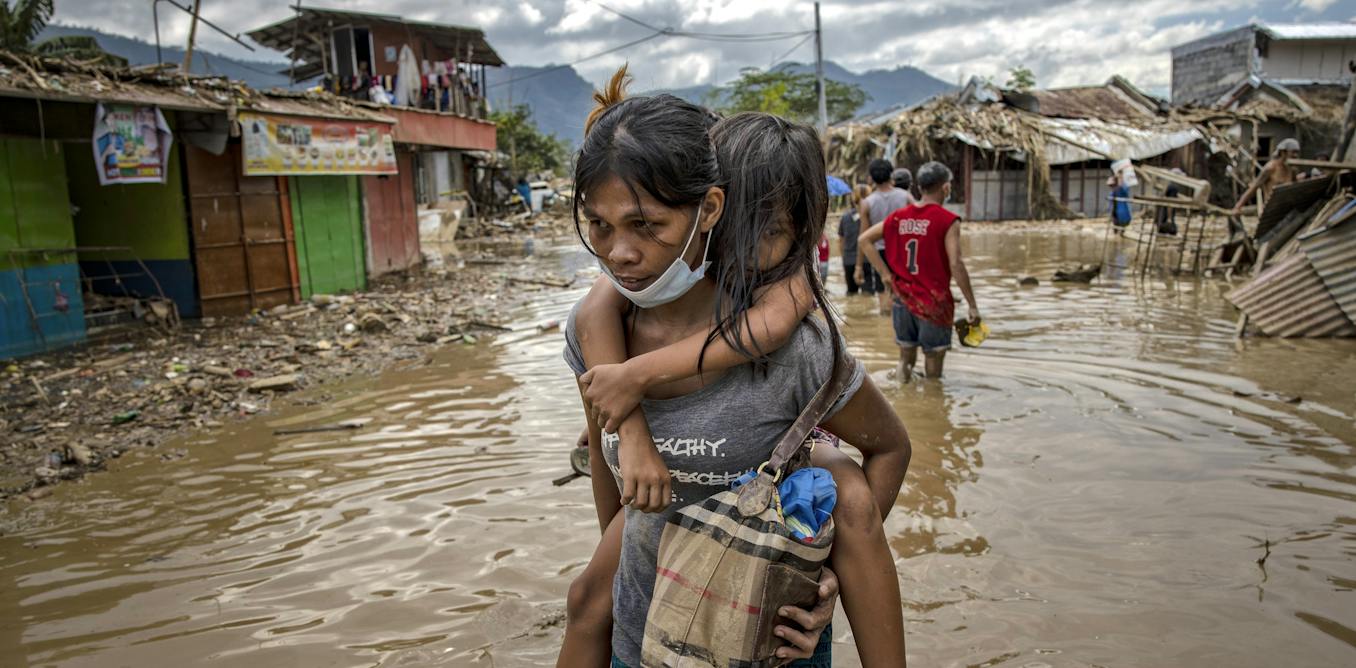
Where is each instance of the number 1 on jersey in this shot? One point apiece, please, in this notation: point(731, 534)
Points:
point(911, 248)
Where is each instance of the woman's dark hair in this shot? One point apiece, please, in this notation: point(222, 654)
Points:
point(772, 169)
point(659, 144)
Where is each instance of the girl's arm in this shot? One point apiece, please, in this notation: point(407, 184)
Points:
point(871, 425)
point(606, 498)
point(615, 390)
point(599, 328)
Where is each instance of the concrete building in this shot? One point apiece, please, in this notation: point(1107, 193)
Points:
point(1287, 55)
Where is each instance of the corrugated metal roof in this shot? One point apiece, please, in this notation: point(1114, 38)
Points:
point(1332, 30)
point(1332, 252)
point(75, 87)
point(1083, 102)
point(312, 105)
point(284, 35)
point(1289, 299)
point(1118, 140)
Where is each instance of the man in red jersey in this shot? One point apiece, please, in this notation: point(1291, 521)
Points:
point(922, 254)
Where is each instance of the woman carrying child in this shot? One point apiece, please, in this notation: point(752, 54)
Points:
point(724, 366)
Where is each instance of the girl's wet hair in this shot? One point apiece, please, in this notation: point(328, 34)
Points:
point(774, 170)
point(659, 144)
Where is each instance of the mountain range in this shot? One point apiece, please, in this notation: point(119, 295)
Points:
point(559, 98)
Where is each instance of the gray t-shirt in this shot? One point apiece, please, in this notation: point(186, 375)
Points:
point(882, 204)
point(708, 439)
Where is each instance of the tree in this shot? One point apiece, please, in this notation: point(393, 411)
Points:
point(788, 94)
point(21, 23)
point(1020, 78)
point(529, 149)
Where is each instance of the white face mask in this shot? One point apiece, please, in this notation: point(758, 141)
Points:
point(674, 282)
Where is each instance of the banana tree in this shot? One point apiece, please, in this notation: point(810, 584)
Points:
point(22, 22)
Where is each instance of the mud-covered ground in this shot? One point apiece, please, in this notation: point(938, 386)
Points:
point(68, 412)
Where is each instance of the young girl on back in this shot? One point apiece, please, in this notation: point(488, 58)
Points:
point(773, 170)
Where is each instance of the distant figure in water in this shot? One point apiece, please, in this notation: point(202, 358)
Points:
point(922, 254)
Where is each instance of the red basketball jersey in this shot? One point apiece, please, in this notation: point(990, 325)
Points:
point(915, 251)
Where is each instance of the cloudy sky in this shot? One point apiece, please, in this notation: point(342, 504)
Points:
point(1065, 42)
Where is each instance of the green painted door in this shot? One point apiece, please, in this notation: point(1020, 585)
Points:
point(327, 218)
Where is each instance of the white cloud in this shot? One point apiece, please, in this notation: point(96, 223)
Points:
point(1314, 5)
point(1064, 42)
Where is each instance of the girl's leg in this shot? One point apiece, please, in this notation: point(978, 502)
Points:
point(588, 606)
point(866, 570)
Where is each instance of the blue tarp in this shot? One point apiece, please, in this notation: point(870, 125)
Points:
point(838, 187)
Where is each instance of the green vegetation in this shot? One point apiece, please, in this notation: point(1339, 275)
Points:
point(787, 94)
point(529, 149)
point(1020, 78)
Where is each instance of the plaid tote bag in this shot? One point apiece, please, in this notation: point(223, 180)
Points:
point(728, 563)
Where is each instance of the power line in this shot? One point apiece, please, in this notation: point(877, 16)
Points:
point(713, 36)
point(585, 58)
point(664, 32)
point(791, 50)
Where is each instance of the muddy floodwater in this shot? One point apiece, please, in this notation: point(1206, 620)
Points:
point(1110, 480)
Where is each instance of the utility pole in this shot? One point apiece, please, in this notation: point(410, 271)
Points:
point(819, 77)
point(192, 35)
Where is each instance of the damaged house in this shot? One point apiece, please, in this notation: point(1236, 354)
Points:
point(1030, 154)
point(1292, 77)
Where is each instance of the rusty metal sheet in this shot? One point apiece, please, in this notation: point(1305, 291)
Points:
point(431, 128)
point(85, 88)
point(240, 246)
point(1289, 299)
point(1332, 252)
point(314, 106)
point(392, 225)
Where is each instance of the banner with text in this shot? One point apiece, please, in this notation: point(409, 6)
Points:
point(293, 145)
point(131, 144)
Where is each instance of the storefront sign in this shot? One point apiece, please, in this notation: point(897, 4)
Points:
point(295, 145)
point(131, 144)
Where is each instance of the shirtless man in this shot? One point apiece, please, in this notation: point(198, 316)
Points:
point(1276, 172)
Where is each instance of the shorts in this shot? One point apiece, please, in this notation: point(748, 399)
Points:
point(912, 331)
point(823, 656)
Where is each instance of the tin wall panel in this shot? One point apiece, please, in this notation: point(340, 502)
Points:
point(1333, 256)
point(1289, 299)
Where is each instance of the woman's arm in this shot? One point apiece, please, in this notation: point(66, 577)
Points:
point(871, 425)
point(614, 390)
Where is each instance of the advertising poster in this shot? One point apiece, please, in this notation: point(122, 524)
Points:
point(293, 145)
point(131, 144)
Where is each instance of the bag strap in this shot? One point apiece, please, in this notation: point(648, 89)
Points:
point(814, 412)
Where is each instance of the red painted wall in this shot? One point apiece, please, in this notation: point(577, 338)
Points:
point(392, 226)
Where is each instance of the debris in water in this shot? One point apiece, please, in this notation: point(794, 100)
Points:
point(1083, 274)
point(342, 426)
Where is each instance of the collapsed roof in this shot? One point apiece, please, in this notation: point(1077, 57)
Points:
point(299, 37)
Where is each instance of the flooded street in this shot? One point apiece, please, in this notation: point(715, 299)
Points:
point(1110, 480)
